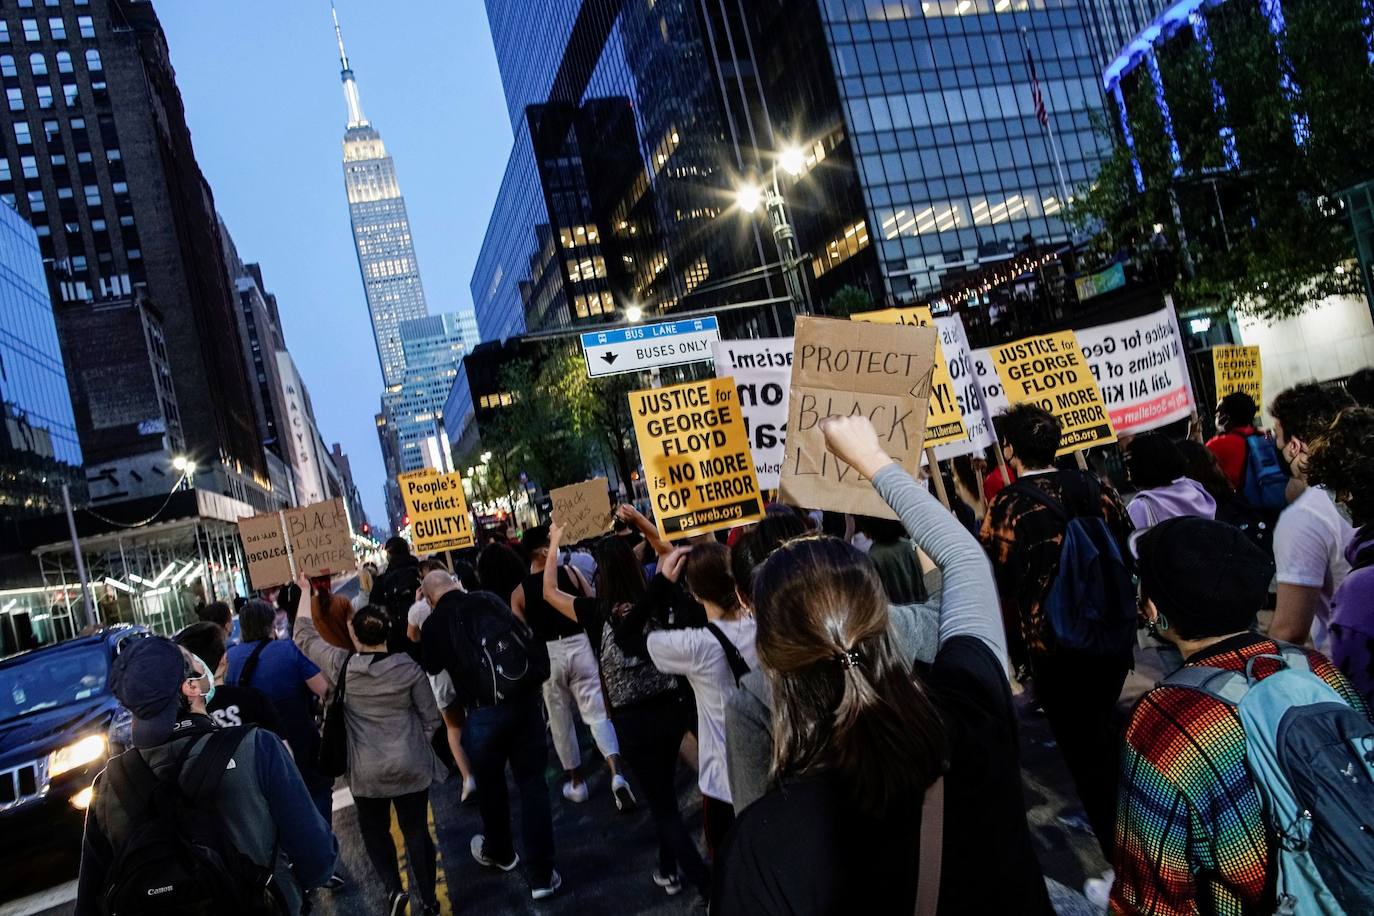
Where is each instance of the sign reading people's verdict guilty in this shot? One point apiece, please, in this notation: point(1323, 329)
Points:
point(849, 368)
point(438, 510)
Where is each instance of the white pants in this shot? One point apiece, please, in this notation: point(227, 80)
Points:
point(573, 678)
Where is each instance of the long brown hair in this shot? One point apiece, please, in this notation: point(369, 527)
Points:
point(708, 576)
point(844, 700)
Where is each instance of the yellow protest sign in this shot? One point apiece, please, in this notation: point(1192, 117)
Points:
point(696, 456)
point(945, 422)
point(1238, 368)
point(438, 510)
point(1049, 370)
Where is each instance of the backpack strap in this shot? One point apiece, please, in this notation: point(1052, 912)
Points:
point(250, 667)
point(932, 849)
point(738, 666)
point(1227, 687)
point(207, 770)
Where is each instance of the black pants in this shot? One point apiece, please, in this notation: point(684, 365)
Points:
point(513, 733)
point(1079, 694)
point(412, 814)
point(719, 817)
point(650, 738)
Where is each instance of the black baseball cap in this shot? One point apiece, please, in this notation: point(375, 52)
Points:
point(147, 680)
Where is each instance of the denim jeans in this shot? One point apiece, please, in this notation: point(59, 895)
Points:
point(512, 733)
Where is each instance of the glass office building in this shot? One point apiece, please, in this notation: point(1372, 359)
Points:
point(935, 104)
point(433, 348)
point(39, 449)
point(633, 122)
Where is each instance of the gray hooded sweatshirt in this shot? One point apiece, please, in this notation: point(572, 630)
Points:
point(390, 713)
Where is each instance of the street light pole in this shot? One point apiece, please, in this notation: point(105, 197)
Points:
point(786, 238)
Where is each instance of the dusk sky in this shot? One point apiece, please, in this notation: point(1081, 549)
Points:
point(260, 81)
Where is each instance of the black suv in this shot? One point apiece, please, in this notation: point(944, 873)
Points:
point(59, 723)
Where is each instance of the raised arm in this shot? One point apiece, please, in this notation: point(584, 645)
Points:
point(632, 516)
point(555, 596)
point(329, 659)
point(968, 602)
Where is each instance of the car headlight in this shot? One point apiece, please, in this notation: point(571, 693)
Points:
point(82, 800)
point(77, 754)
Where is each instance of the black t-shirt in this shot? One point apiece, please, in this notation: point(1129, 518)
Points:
point(244, 706)
point(805, 850)
point(548, 624)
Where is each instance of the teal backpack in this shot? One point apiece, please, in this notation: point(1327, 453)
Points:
point(1311, 756)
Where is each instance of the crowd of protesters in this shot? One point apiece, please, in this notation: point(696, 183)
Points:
point(852, 695)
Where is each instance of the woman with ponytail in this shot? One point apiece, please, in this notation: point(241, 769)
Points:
point(893, 791)
point(389, 715)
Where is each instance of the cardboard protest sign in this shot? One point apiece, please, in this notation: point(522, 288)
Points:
point(438, 510)
point(264, 546)
point(967, 391)
point(1139, 366)
point(845, 368)
point(320, 539)
point(1238, 368)
point(584, 509)
point(946, 422)
point(762, 370)
point(1049, 370)
point(696, 456)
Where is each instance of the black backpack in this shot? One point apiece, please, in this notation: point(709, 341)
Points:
point(176, 857)
point(397, 594)
point(496, 656)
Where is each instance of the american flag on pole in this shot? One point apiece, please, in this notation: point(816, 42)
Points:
point(1037, 96)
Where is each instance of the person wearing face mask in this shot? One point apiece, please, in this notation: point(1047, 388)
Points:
point(238, 784)
point(389, 716)
point(227, 704)
point(1310, 539)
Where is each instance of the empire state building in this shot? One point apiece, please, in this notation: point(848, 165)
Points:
point(381, 231)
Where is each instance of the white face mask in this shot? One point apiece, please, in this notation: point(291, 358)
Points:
point(205, 680)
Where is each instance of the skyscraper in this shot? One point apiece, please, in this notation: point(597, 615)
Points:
point(98, 159)
point(381, 230)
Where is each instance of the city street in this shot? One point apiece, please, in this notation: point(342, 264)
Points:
point(606, 858)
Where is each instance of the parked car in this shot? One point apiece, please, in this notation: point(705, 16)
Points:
point(59, 723)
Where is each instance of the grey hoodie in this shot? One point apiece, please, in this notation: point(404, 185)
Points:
point(391, 715)
point(966, 582)
point(1184, 496)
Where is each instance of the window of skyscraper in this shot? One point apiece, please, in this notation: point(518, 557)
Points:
point(30, 29)
point(4, 31)
point(16, 99)
point(21, 133)
point(29, 166)
point(64, 62)
point(93, 59)
point(7, 67)
point(45, 96)
point(58, 28)
point(86, 25)
point(38, 64)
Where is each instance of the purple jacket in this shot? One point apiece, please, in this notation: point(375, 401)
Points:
point(1184, 496)
point(1352, 615)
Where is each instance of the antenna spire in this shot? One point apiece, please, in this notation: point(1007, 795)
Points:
point(356, 118)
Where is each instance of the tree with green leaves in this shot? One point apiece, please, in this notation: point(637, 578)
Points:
point(1243, 210)
point(849, 300)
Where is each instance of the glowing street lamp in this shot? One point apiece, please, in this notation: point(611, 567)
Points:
point(792, 160)
point(634, 314)
point(749, 196)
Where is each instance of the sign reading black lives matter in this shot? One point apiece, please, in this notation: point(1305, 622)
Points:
point(696, 457)
point(320, 539)
point(850, 368)
point(438, 510)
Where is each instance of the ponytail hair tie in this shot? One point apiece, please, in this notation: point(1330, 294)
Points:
point(848, 658)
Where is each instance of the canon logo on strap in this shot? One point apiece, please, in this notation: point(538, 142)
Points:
point(153, 892)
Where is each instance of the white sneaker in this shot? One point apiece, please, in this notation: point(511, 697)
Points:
point(624, 796)
point(1099, 890)
point(671, 884)
point(548, 890)
point(576, 793)
point(479, 853)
